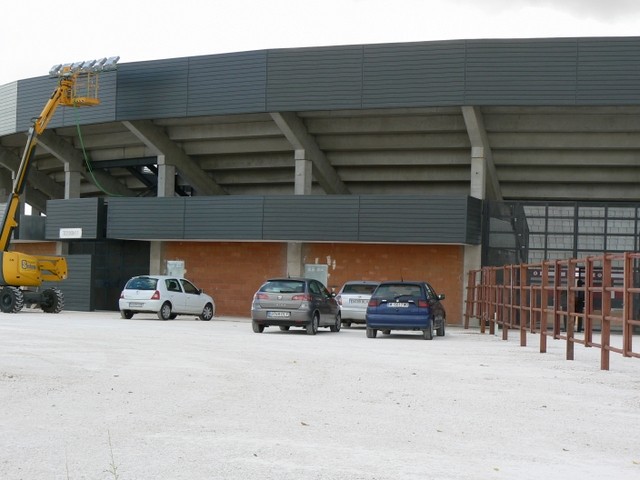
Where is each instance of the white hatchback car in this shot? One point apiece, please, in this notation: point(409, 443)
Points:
point(166, 296)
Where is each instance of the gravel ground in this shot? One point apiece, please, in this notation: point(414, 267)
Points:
point(92, 396)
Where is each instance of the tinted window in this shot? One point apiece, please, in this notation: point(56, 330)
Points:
point(315, 288)
point(359, 289)
point(142, 283)
point(283, 286)
point(402, 291)
point(172, 285)
point(189, 287)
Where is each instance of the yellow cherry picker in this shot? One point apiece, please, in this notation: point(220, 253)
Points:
point(21, 274)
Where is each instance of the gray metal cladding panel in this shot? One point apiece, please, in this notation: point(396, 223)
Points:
point(609, 71)
point(105, 112)
point(152, 89)
point(81, 213)
point(146, 218)
point(311, 218)
point(319, 78)
point(412, 219)
point(474, 221)
point(223, 217)
point(33, 94)
point(410, 74)
point(230, 83)
point(8, 108)
point(77, 288)
point(521, 72)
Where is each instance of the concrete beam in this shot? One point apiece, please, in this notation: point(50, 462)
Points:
point(157, 140)
point(36, 179)
point(297, 134)
point(482, 166)
point(74, 161)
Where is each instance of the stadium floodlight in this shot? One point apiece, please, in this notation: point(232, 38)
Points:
point(87, 66)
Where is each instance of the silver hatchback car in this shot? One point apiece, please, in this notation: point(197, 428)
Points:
point(353, 299)
point(294, 302)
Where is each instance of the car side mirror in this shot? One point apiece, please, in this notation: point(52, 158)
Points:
point(441, 296)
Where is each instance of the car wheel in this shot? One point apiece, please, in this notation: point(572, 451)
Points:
point(371, 332)
point(312, 328)
point(257, 328)
point(284, 328)
point(427, 333)
point(338, 324)
point(52, 300)
point(346, 324)
point(165, 311)
point(11, 300)
point(441, 328)
point(126, 314)
point(207, 312)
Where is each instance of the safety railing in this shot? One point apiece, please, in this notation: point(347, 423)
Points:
point(581, 301)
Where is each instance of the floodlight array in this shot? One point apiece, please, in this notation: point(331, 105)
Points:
point(89, 66)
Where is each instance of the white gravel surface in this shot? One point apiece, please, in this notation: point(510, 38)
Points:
point(92, 396)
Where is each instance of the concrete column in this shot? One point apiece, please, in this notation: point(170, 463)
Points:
point(166, 178)
point(72, 180)
point(166, 188)
point(302, 186)
point(478, 187)
point(156, 258)
point(303, 173)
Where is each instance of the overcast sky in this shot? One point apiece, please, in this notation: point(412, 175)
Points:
point(37, 34)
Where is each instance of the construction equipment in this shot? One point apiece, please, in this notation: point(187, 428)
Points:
point(21, 272)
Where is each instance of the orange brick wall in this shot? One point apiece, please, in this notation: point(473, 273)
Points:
point(440, 265)
point(231, 272)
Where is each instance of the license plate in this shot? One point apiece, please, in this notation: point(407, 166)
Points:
point(135, 304)
point(398, 305)
point(278, 314)
point(358, 300)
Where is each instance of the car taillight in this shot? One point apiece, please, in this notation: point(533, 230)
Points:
point(374, 302)
point(302, 298)
point(423, 303)
point(262, 296)
point(156, 295)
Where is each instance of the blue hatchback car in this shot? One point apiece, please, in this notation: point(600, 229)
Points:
point(406, 306)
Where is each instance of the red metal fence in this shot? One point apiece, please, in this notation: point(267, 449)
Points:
point(598, 295)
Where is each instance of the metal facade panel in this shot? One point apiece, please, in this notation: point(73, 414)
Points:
point(8, 108)
point(474, 221)
point(311, 218)
point(77, 287)
point(105, 112)
point(521, 72)
point(76, 213)
point(30, 227)
point(152, 89)
point(414, 74)
point(608, 71)
point(413, 219)
point(33, 94)
point(146, 218)
point(223, 217)
point(314, 79)
point(230, 83)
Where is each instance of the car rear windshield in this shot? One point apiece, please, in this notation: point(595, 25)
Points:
point(399, 291)
point(359, 288)
point(283, 286)
point(142, 283)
